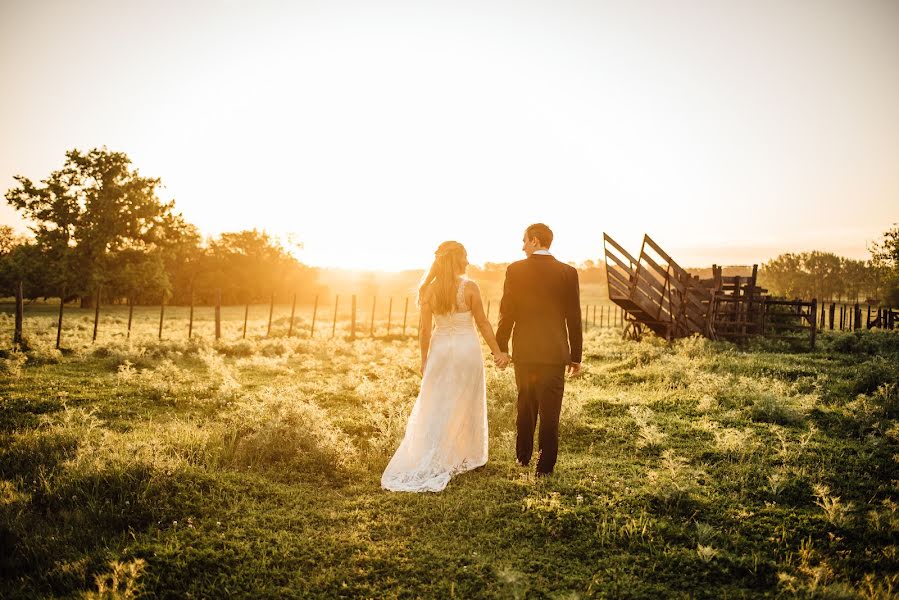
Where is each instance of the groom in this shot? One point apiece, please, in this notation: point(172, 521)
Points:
point(541, 310)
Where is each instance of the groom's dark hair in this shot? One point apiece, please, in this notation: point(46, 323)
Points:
point(540, 231)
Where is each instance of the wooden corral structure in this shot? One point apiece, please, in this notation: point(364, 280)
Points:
point(659, 295)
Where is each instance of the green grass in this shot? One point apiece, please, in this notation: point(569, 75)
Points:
point(251, 468)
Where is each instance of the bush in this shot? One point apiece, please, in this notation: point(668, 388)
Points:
point(768, 408)
point(11, 365)
point(275, 429)
point(42, 355)
point(872, 374)
point(862, 342)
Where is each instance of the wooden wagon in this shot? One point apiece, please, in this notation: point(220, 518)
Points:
point(658, 295)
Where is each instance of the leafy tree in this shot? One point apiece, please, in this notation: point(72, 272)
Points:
point(9, 239)
point(784, 275)
point(885, 255)
point(249, 266)
point(89, 217)
point(821, 275)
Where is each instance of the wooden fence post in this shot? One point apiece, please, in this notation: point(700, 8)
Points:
point(353, 319)
point(271, 311)
point(218, 315)
point(833, 308)
point(594, 317)
point(334, 324)
point(96, 314)
point(293, 308)
point(374, 301)
point(62, 303)
point(190, 323)
point(161, 313)
point(246, 316)
point(17, 336)
point(130, 315)
point(868, 318)
point(813, 309)
point(586, 315)
point(389, 313)
point(406, 314)
point(314, 314)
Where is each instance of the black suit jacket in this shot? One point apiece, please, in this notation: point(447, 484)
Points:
point(541, 311)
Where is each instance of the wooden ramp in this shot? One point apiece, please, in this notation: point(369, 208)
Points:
point(658, 294)
point(655, 291)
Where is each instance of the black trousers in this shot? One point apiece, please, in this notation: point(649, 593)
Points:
point(540, 389)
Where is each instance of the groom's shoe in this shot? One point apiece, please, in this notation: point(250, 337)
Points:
point(542, 474)
point(521, 464)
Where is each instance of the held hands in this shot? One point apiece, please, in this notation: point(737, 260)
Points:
point(502, 360)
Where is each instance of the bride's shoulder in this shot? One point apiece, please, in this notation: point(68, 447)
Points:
point(469, 285)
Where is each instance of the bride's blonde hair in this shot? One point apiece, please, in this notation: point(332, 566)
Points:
point(449, 264)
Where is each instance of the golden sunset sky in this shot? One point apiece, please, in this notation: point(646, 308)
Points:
point(371, 131)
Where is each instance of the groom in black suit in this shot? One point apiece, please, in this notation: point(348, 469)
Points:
point(541, 311)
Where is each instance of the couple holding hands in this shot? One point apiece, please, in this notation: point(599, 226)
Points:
point(446, 433)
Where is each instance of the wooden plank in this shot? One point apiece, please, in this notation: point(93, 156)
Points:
point(607, 239)
point(629, 269)
point(618, 277)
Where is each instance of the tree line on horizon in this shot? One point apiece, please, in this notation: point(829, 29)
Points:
point(829, 278)
point(97, 223)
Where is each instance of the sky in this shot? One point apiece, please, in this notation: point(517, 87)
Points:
point(371, 131)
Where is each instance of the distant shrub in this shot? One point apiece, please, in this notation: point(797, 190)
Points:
point(238, 348)
point(275, 347)
point(875, 411)
point(274, 428)
point(43, 355)
point(695, 346)
point(862, 342)
point(172, 349)
point(11, 364)
point(768, 408)
point(886, 397)
point(56, 440)
point(873, 373)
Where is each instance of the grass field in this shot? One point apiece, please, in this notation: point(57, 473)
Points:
point(251, 468)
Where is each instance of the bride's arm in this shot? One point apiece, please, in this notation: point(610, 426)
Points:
point(477, 311)
point(424, 333)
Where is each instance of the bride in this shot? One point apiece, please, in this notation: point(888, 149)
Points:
point(446, 432)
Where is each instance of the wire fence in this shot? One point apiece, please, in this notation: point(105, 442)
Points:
point(316, 317)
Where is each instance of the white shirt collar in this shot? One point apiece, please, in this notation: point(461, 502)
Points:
point(542, 252)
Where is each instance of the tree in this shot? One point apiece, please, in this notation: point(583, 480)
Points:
point(825, 274)
point(248, 266)
point(784, 275)
point(9, 239)
point(87, 214)
point(885, 255)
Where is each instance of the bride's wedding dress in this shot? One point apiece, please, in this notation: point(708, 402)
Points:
point(447, 430)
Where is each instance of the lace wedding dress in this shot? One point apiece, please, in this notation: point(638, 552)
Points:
point(446, 433)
